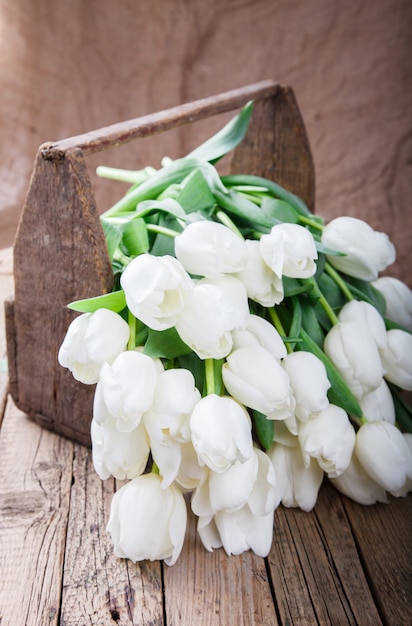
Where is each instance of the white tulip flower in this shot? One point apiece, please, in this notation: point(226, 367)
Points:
point(237, 532)
point(119, 454)
point(148, 522)
point(156, 289)
point(221, 432)
point(250, 483)
point(215, 308)
point(365, 314)
point(209, 249)
point(126, 389)
point(290, 250)
point(262, 284)
point(330, 438)
point(367, 251)
point(257, 380)
point(297, 481)
point(309, 383)
point(355, 483)
point(168, 420)
point(259, 332)
point(397, 358)
point(378, 404)
point(398, 299)
point(384, 454)
point(91, 340)
point(354, 352)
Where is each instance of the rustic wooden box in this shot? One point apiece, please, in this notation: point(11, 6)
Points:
point(60, 253)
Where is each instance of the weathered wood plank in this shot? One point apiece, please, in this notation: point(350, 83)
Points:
point(99, 588)
point(216, 590)
point(35, 478)
point(383, 533)
point(315, 581)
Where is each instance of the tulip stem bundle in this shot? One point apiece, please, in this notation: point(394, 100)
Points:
point(247, 352)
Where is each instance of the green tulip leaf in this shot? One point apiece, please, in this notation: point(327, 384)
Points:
point(115, 301)
point(264, 428)
point(226, 139)
point(165, 344)
point(135, 237)
point(195, 194)
point(339, 393)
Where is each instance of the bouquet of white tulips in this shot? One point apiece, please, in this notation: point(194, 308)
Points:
point(247, 350)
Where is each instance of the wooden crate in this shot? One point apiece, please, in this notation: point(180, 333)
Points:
point(60, 253)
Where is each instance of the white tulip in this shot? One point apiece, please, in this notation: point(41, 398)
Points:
point(354, 352)
point(297, 482)
point(365, 314)
point(148, 522)
point(237, 531)
point(91, 340)
point(378, 404)
point(221, 432)
point(250, 483)
point(168, 420)
point(356, 484)
point(119, 454)
point(259, 332)
point(397, 358)
point(215, 308)
point(384, 454)
point(126, 388)
point(257, 380)
point(330, 438)
point(367, 251)
point(290, 250)
point(309, 383)
point(407, 486)
point(398, 299)
point(156, 289)
point(208, 248)
point(262, 284)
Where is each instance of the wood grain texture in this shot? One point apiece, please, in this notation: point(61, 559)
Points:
point(35, 479)
point(318, 577)
point(218, 590)
point(377, 530)
point(60, 255)
point(99, 588)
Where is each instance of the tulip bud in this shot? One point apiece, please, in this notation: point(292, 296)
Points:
point(384, 454)
point(355, 483)
point(309, 383)
point(156, 289)
point(221, 432)
point(290, 250)
point(397, 358)
point(398, 299)
point(119, 454)
point(262, 284)
point(209, 249)
point(367, 251)
point(365, 314)
point(257, 380)
point(378, 404)
point(126, 389)
point(91, 340)
point(353, 351)
point(148, 522)
point(259, 332)
point(328, 437)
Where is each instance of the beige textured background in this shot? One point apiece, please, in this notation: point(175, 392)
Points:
point(71, 66)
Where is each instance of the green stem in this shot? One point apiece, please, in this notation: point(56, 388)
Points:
point(226, 221)
point(279, 327)
point(155, 468)
point(338, 280)
point(323, 302)
point(310, 222)
point(210, 376)
point(131, 345)
point(162, 230)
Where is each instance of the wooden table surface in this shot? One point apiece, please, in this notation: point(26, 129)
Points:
point(339, 564)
